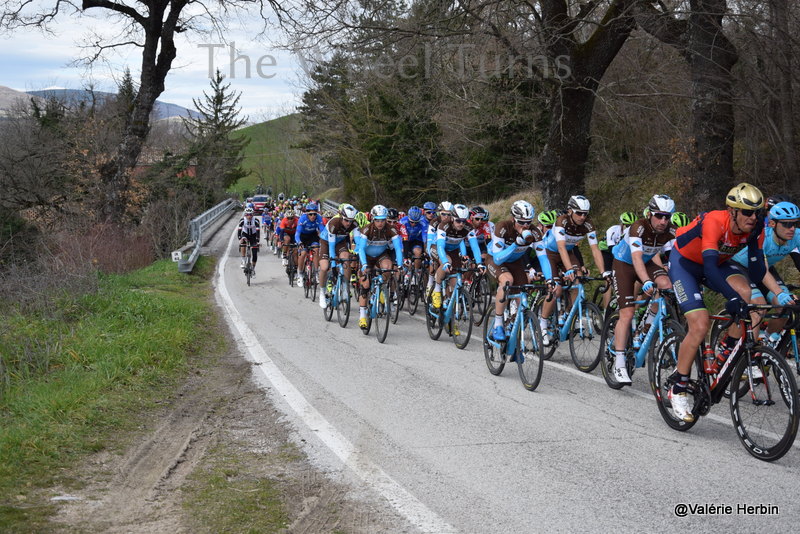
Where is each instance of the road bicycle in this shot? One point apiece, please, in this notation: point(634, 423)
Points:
point(523, 342)
point(642, 339)
point(379, 303)
point(310, 282)
point(249, 269)
point(340, 295)
point(480, 292)
point(763, 392)
point(291, 268)
point(580, 323)
point(456, 311)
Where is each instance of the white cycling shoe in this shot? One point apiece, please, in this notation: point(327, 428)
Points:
point(621, 376)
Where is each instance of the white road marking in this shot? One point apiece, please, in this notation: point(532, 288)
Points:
point(404, 502)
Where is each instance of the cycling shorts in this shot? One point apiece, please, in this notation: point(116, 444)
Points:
point(309, 240)
point(625, 280)
point(410, 245)
point(324, 249)
point(556, 267)
point(688, 277)
point(516, 268)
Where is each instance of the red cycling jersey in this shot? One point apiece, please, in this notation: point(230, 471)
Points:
point(715, 234)
point(289, 225)
point(401, 230)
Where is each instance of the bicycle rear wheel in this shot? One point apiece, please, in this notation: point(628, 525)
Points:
point(529, 352)
point(493, 355)
point(660, 369)
point(314, 284)
point(765, 415)
point(412, 295)
point(384, 314)
point(549, 350)
point(481, 298)
point(584, 337)
point(396, 296)
point(461, 321)
point(607, 357)
point(342, 290)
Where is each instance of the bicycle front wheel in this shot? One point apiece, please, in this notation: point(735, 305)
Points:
point(493, 355)
point(765, 414)
point(549, 350)
point(396, 296)
point(584, 337)
point(433, 319)
point(529, 352)
point(607, 357)
point(660, 369)
point(342, 290)
point(384, 314)
point(461, 321)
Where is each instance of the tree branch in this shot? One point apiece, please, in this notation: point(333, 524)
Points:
point(119, 8)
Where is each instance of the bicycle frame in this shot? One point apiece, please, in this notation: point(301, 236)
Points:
point(337, 271)
point(657, 326)
point(524, 300)
point(459, 287)
point(377, 284)
point(577, 307)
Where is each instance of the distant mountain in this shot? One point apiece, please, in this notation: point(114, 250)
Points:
point(73, 97)
point(9, 99)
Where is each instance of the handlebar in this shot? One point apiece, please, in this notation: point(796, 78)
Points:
point(524, 287)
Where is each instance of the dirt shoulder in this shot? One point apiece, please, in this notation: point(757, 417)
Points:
point(215, 457)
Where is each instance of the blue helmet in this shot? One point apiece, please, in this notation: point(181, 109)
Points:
point(414, 214)
point(429, 206)
point(312, 206)
point(783, 211)
point(379, 212)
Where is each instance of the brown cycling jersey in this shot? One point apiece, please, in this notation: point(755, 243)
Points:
point(507, 232)
point(336, 227)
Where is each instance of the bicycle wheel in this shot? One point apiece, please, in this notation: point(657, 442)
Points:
point(607, 357)
point(493, 355)
point(660, 369)
point(314, 284)
point(765, 415)
point(396, 296)
point(584, 337)
point(433, 319)
point(342, 290)
point(384, 314)
point(786, 348)
point(461, 321)
point(290, 270)
point(369, 310)
point(481, 298)
point(412, 295)
point(328, 311)
point(550, 349)
point(529, 352)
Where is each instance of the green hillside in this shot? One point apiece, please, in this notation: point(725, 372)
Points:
point(271, 160)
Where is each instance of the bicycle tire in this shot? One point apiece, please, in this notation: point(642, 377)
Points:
point(660, 368)
point(493, 356)
point(343, 301)
point(776, 400)
point(412, 298)
point(314, 284)
point(461, 321)
point(397, 290)
point(290, 270)
point(608, 357)
point(584, 340)
point(549, 350)
point(384, 315)
point(529, 352)
point(328, 310)
point(433, 322)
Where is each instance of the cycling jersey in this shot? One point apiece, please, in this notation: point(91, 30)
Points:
point(449, 238)
point(484, 232)
point(249, 228)
point(570, 233)
point(401, 230)
point(710, 231)
point(307, 226)
point(335, 232)
point(416, 232)
point(288, 225)
point(773, 252)
point(642, 237)
point(505, 249)
point(373, 242)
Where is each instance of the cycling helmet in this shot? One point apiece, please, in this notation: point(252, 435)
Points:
point(774, 199)
point(628, 218)
point(281, 197)
point(679, 219)
point(661, 204)
point(783, 211)
point(379, 212)
point(347, 211)
point(745, 196)
point(290, 214)
point(249, 199)
point(392, 214)
point(578, 203)
point(548, 218)
point(361, 219)
point(522, 210)
point(312, 206)
point(414, 214)
point(445, 207)
point(248, 211)
point(429, 206)
point(460, 211)
point(297, 212)
point(479, 211)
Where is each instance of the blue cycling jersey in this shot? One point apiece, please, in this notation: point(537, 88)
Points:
point(772, 250)
point(416, 232)
point(306, 226)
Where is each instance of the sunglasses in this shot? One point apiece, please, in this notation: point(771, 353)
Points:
point(310, 213)
point(462, 221)
point(345, 219)
point(430, 213)
point(790, 224)
point(522, 222)
point(477, 219)
point(661, 216)
point(581, 213)
point(749, 213)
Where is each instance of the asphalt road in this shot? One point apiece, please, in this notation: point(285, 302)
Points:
point(467, 451)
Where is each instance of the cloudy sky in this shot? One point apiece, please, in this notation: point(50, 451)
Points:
point(33, 60)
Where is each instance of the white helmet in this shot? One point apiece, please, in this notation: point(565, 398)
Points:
point(248, 211)
point(522, 210)
point(348, 211)
point(578, 203)
point(661, 204)
point(379, 212)
point(445, 206)
point(460, 211)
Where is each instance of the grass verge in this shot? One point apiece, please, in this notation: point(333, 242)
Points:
point(118, 352)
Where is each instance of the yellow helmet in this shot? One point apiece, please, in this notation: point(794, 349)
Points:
point(745, 196)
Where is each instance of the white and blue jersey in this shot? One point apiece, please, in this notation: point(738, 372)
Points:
point(773, 252)
point(641, 237)
point(373, 242)
point(449, 238)
point(570, 233)
point(505, 249)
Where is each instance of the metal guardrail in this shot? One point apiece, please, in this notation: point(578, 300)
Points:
point(329, 204)
point(196, 228)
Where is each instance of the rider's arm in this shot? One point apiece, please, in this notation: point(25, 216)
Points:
point(361, 247)
point(544, 261)
point(440, 239)
point(771, 283)
point(397, 242)
point(297, 232)
point(756, 262)
point(476, 249)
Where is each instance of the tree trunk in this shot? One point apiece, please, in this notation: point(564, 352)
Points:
point(784, 56)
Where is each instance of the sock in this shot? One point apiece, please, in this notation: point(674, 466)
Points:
point(620, 354)
point(437, 287)
point(544, 323)
point(681, 383)
point(362, 312)
point(498, 320)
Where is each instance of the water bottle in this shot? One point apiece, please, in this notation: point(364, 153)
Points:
point(709, 361)
point(513, 308)
point(774, 339)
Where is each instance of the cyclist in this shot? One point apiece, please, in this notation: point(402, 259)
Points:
point(429, 211)
point(266, 220)
point(361, 219)
point(636, 258)
point(780, 240)
point(561, 243)
point(507, 260)
point(287, 230)
point(416, 227)
point(613, 236)
point(393, 218)
point(484, 228)
point(451, 247)
point(335, 243)
point(546, 220)
point(701, 256)
point(309, 227)
point(678, 220)
point(249, 231)
point(372, 247)
point(444, 215)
